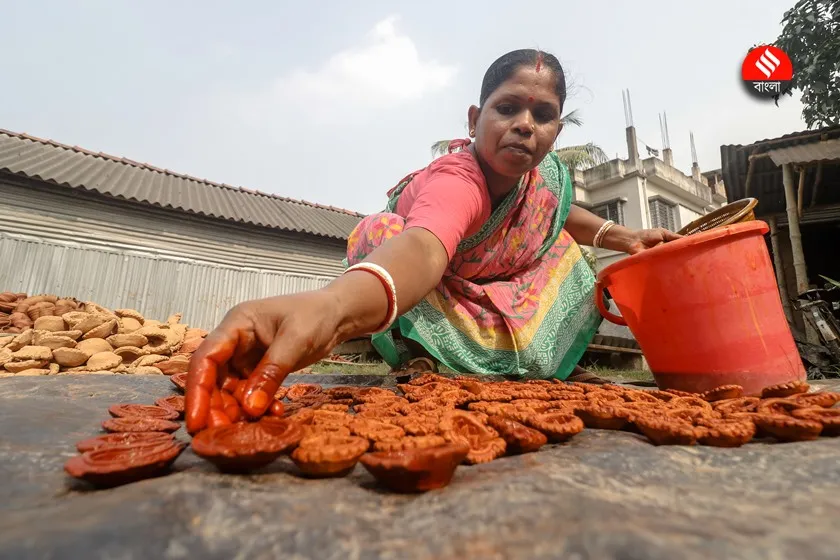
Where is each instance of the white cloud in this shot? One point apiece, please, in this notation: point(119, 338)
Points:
point(386, 71)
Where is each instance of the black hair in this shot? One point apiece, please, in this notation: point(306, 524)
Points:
point(505, 66)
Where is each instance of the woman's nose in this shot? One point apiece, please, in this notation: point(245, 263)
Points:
point(524, 125)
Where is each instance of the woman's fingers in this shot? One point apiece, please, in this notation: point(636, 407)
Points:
point(259, 389)
point(203, 374)
point(276, 409)
point(670, 235)
point(218, 418)
point(231, 407)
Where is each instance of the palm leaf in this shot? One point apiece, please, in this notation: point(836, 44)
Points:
point(572, 118)
point(583, 156)
point(830, 281)
point(439, 148)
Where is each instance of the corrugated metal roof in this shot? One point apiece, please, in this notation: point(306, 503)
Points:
point(766, 183)
point(77, 168)
point(825, 150)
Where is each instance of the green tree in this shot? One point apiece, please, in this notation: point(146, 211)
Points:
point(811, 38)
point(582, 156)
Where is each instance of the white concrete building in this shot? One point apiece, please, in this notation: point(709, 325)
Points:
point(646, 193)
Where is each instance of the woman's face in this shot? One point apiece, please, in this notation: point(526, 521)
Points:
point(518, 123)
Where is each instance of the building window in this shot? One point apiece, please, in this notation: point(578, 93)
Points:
point(663, 214)
point(611, 210)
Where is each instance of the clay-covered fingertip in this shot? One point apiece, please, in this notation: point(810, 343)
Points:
point(257, 402)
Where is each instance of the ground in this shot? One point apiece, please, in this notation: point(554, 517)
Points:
point(604, 494)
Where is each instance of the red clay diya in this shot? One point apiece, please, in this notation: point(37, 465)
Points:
point(142, 410)
point(123, 439)
point(120, 465)
point(416, 470)
point(518, 437)
point(173, 402)
point(243, 447)
point(139, 424)
point(179, 380)
point(327, 455)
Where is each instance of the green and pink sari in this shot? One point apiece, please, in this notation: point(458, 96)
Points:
point(518, 296)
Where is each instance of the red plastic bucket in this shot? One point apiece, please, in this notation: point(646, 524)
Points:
point(706, 311)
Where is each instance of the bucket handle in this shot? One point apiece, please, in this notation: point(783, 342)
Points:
point(602, 306)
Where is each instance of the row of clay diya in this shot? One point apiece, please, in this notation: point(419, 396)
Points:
point(416, 440)
point(140, 444)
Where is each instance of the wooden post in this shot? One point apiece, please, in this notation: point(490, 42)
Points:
point(779, 266)
point(799, 267)
point(801, 192)
point(793, 228)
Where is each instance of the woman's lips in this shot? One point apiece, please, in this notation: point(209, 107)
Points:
point(519, 151)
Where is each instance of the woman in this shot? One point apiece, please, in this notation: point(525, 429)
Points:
point(475, 263)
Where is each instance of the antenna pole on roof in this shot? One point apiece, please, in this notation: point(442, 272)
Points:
point(624, 105)
point(693, 149)
point(628, 108)
point(662, 131)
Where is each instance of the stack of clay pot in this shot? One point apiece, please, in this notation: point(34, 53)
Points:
point(92, 339)
point(19, 312)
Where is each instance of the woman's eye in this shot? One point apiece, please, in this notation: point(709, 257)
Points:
point(544, 116)
point(506, 109)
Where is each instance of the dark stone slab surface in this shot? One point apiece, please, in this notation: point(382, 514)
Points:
point(603, 495)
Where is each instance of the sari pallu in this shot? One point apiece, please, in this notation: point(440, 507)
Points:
point(517, 297)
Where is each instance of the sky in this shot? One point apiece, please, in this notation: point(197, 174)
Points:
point(334, 103)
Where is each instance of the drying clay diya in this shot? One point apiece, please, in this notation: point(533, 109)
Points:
point(139, 424)
point(244, 446)
point(420, 432)
point(459, 426)
point(410, 442)
point(123, 439)
point(828, 417)
point(416, 470)
point(327, 455)
point(297, 392)
point(173, 402)
point(667, 431)
point(784, 390)
point(723, 392)
point(557, 426)
point(725, 433)
point(602, 417)
point(375, 430)
point(518, 437)
point(179, 380)
point(142, 411)
point(120, 465)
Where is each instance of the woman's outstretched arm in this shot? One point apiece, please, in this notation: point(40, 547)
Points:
point(267, 339)
point(415, 259)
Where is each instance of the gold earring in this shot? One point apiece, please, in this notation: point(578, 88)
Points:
point(472, 132)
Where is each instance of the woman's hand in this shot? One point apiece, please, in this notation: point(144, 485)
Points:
point(263, 340)
point(642, 239)
point(584, 226)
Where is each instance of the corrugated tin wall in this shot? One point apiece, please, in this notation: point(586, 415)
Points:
point(123, 255)
point(56, 213)
point(154, 285)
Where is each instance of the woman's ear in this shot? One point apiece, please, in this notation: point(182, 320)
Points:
point(472, 119)
point(559, 130)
